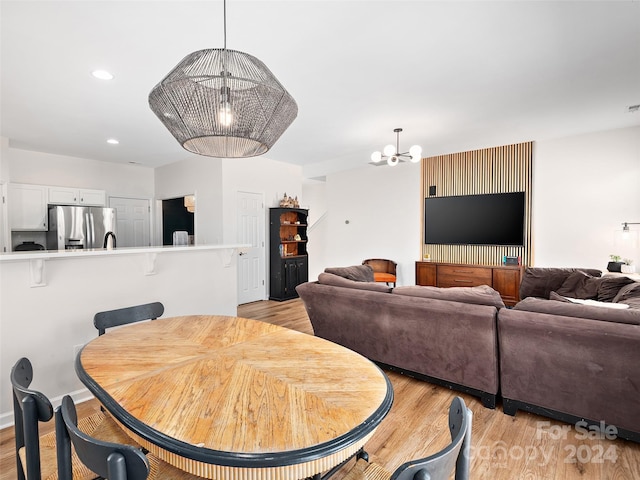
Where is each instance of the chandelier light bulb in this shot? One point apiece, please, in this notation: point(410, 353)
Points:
point(376, 157)
point(224, 115)
point(393, 160)
point(416, 153)
point(389, 150)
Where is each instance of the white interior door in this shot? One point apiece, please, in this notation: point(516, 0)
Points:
point(250, 219)
point(132, 220)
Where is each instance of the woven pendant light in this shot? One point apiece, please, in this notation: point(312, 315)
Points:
point(223, 103)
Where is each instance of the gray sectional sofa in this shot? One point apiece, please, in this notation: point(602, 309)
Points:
point(450, 340)
point(557, 358)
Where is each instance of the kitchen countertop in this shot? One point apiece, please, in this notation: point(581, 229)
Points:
point(61, 254)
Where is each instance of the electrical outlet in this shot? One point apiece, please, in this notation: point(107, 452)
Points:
point(76, 350)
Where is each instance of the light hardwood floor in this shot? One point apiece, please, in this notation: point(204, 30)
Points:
point(526, 446)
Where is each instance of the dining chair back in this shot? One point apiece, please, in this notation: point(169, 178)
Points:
point(124, 316)
point(439, 466)
point(29, 408)
point(454, 457)
point(109, 460)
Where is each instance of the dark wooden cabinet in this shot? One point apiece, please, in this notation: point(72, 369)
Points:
point(288, 259)
point(505, 279)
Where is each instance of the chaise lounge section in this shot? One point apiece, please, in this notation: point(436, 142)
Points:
point(573, 362)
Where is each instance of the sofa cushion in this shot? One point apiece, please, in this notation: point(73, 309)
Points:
point(569, 309)
point(580, 285)
point(480, 295)
point(338, 281)
point(540, 282)
point(627, 292)
point(358, 273)
point(610, 287)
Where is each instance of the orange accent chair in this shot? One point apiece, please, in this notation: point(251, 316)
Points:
point(383, 270)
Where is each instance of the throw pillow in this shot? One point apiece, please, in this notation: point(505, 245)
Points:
point(357, 273)
point(540, 282)
point(338, 281)
point(580, 285)
point(628, 292)
point(610, 286)
point(481, 295)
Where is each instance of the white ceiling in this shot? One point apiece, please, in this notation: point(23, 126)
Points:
point(454, 75)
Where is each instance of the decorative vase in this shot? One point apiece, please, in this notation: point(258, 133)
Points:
point(627, 268)
point(614, 266)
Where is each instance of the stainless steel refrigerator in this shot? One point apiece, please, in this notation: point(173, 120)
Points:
point(81, 228)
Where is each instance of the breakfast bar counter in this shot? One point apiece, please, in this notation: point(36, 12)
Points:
point(48, 300)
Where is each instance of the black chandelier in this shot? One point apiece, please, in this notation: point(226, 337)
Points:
point(223, 103)
point(392, 155)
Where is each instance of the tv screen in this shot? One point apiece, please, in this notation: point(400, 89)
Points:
point(489, 219)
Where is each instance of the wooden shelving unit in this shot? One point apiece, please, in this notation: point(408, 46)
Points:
point(289, 265)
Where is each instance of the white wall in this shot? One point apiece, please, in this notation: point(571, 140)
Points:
point(201, 176)
point(382, 206)
point(315, 198)
point(122, 180)
point(584, 187)
point(257, 175)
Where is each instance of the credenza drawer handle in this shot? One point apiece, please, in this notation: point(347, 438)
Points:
point(462, 281)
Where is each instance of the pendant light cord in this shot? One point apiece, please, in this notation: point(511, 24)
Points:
point(224, 13)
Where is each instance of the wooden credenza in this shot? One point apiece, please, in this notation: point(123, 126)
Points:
point(503, 278)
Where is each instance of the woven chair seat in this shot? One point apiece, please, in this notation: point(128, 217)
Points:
point(109, 430)
point(48, 460)
point(369, 471)
point(101, 426)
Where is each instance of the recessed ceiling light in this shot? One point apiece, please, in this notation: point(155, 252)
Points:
point(113, 141)
point(102, 74)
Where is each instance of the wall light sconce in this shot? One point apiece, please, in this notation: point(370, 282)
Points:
point(626, 242)
point(625, 226)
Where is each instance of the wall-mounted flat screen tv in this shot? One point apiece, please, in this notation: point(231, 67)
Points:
point(488, 219)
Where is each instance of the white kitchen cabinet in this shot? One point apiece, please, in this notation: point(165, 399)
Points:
point(27, 207)
point(77, 196)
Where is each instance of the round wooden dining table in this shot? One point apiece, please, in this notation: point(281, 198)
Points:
point(233, 398)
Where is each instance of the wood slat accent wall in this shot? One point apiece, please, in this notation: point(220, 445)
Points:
point(490, 170)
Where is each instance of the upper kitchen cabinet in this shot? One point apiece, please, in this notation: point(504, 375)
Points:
point(77, 196)
point(27, 207)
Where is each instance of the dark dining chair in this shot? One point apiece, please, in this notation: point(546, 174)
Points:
point(109, 460)
point(439, 466)
point(35, 454)
point(124, 316)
